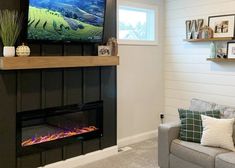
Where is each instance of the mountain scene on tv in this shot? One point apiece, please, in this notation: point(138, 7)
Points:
point(66, 20)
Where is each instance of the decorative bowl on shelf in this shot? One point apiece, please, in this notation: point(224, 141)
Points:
point(23, 50)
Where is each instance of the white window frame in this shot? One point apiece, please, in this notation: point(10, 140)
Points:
point(144, 6)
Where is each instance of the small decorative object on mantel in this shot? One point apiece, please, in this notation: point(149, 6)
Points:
point(112, 42)
point(10, 27)
point(206, 32)
point(23, 50)
point(104, 50)
point(222, 26)
point(231, 50)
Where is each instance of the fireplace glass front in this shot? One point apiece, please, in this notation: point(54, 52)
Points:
point(39, 130)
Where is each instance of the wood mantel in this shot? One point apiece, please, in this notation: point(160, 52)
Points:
point(44, 62)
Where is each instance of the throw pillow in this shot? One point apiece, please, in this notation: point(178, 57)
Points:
point(201, 105)
point(191, 124)
point(217, 132)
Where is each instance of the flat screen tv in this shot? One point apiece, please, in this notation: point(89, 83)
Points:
point(66, 20)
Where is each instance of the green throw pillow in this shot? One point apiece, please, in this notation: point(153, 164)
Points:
point(191, 124)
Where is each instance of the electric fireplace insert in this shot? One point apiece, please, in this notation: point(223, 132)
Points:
point(43, 129)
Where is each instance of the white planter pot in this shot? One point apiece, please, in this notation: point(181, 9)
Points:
point(8, 51)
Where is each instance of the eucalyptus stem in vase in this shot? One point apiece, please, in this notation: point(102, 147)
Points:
point(10, 27)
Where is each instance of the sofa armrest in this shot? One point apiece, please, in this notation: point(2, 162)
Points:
point(166, 134)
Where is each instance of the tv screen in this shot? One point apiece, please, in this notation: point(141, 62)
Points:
point(66, 20)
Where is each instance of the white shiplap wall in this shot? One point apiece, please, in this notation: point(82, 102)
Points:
point(187, 73)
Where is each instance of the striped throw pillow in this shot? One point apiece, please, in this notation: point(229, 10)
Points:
point(191, 124)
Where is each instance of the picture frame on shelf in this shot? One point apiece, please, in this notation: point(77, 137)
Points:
point(221, 50)
point(221, 53)
point(231, 50)
point(222, 25)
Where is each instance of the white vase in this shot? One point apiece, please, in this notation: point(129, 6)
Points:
point(8, 51)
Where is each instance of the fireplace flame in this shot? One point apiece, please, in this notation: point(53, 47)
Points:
point(58, 135)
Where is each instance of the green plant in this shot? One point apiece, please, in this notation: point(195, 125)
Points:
point(10, 26)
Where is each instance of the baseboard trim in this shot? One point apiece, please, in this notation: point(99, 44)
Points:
point(137, 138)
point(84, 159)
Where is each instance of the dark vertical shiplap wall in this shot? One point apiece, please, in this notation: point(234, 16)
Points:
point(33, 89)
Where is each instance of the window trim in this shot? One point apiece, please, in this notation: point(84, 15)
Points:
point(144, 6)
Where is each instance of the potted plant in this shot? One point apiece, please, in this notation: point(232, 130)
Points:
point(10, 27)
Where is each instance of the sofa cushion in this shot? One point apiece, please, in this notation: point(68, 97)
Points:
point(195, 153)
point(176, 162)
point(191, 124)
point(228, 112)
point(225, 160)
point(213, 126)
point(225, 111)
point(201, 105)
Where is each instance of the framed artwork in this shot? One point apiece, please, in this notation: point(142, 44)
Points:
point(221, 53)
point(222, 26)
point(231, 50)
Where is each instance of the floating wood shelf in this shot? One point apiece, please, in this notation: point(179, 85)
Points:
point(210, 39)
point(221, 59)
point(44, 62)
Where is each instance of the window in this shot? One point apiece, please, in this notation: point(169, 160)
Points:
point(137, 24)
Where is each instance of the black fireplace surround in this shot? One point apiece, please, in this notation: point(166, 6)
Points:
point(25, 90)
point(43, 129)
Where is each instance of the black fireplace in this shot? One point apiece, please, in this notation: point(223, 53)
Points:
point(40, 130)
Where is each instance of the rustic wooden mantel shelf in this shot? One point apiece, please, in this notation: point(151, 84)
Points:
point(44, 62)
